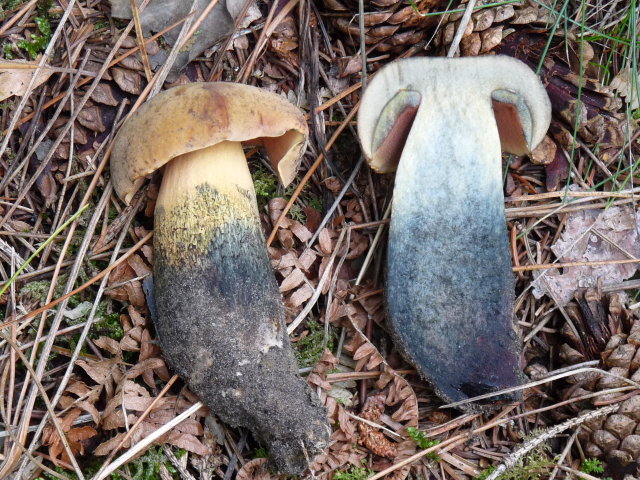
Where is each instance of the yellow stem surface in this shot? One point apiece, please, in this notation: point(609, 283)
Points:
point(222, 166)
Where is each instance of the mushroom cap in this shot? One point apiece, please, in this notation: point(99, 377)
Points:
point(197, 115)
point(402, 88)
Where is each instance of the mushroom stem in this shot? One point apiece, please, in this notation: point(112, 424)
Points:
point(450, 285)
point(222, 166)
point(215, 287)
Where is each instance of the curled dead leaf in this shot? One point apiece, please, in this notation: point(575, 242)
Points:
point(76, 437)
point(254, 470)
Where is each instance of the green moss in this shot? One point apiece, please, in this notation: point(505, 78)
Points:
point(267, 187)
point(6, 6)
point(265, 184)
point(99, 25)
point(10, 4)
point(296, 213)
point(36, 290)
point(423, 441)
point(485, 473)
point(261, 452)
point(108, 326)
point(353, 473)
point(38, 42)
point(315, 201)
point(592, 465)
point(8, 51)
point(309, 348)
point(146, 467)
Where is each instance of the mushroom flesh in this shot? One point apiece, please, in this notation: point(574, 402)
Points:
point(442, 124)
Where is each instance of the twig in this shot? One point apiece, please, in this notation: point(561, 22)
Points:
point(312, 301)
point(541, 382)
point(142, 445)
point(550, 266)
point(513, 459)
point(336, 201)
point(140, 419)
point(140, 36)
point(42, 247)
point(461, 28)
point(45, 399)
point(93, 280)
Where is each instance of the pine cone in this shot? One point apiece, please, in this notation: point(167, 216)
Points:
point(390, 25)
point(605, 329)
point(489, 26)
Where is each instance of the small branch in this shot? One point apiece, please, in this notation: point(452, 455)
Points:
point(513, 459)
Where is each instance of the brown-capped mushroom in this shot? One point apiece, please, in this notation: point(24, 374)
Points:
point(443, 123)
point(220, 315)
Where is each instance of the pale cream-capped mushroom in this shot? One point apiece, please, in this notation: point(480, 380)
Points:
point(220, 315)
point(443, 123)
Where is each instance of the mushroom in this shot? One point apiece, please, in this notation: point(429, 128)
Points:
point(442, 124)
point(220, 315)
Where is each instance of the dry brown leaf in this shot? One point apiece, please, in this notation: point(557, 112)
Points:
point(15, 76)
point(129, 344)
point(86, 398)
point(106, 447)
point(104, 93)
point(136, 317)
point(623, 84)
point(75, 437)
point(78, 387)
point(109, 344)
point(188, 442)
point(300, 231)
point(134, 398)
point(307, 258)
point(342, 449)
point(47, 187)
point(293, 280)
point(281, 262)
point(90, 409)
point(591, 236)
point(325, 242)
point(139, 266)
point(150, 349)
point(148, 364)
point(400, 396)
point(103, 372)
point(254, 470)
point(300, 296)
point(285, 237)
point(333, 184)
point(357, 246)
point(127, 289)
point(314, 218)
point(275, 208)
point(91, 117)
point(128, 80)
